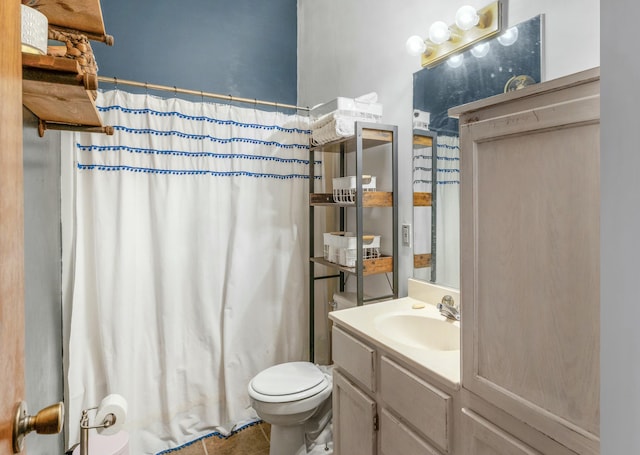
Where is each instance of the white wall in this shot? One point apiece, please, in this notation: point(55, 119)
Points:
point(42, 311)
point(620, 226)
point(352, 47)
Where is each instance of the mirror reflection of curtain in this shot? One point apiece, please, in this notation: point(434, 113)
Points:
point(422, 183)
point(448, 212)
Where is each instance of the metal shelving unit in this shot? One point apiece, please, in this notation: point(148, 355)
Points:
point(367, 136)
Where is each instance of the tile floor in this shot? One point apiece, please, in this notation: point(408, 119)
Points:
point(253, 440)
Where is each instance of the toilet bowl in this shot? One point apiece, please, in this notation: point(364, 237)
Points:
point(291, 397)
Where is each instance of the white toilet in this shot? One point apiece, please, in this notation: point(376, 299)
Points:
point(295, 398)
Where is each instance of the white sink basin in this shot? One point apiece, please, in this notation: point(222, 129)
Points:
point(420, 331)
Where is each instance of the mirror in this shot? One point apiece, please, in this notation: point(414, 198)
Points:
point(508, 62)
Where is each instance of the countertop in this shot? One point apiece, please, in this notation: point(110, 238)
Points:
point(442, 365)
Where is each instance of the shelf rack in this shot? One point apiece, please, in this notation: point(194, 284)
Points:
point(56, 89)
point(367, 135)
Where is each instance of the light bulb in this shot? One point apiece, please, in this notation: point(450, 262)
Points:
point(509, 37)
point(415, 45)
point(480, 50)
point(455, 60)
point(439, 32)
point(467, 17)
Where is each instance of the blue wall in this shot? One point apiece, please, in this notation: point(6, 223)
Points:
point(244, 48)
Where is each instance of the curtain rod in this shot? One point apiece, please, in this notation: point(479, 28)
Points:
point(115, 81)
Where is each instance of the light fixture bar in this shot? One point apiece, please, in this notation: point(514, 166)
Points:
point(461, 40)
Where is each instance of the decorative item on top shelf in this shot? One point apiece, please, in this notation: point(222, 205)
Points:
point(340, 247)
point(33, 30)
point(336, 119)
point(77, 47)
point(344, 188)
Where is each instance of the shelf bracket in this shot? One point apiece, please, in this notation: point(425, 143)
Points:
point(43, 125)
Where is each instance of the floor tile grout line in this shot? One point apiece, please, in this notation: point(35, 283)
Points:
point(264, 433)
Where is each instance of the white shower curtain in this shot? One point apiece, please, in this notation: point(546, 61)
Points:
point(448, 212)
point(189, 262)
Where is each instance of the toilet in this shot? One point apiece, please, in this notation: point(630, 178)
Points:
point(295, 398)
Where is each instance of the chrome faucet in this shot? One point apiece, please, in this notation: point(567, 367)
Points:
point(448, 308)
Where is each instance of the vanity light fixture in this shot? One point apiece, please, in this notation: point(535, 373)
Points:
point(415, 46)
point(470, 28)
point(467, 17)
point(439, 32)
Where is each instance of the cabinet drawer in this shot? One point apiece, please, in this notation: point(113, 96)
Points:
point(422, 405)
point(485, 438)
point(396, 438)
point(354, 357)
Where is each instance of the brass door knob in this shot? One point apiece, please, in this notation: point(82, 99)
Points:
point(47, 421)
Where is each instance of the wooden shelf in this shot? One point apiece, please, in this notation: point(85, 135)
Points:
point(369, 199)
point(421, 199)
point(81, 15)
point(383, 264)
point(59, 94)
point(421, 261)
point(56, 89)
point(371, 137)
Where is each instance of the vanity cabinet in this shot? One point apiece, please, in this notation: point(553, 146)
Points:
point(382, 405)
point(530, 268)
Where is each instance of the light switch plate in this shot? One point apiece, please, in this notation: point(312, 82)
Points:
point(406, 235)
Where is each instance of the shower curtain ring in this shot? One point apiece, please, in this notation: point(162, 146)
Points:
point(115, 83)
point(146, 88)
point(201, 96)
point(175, 92)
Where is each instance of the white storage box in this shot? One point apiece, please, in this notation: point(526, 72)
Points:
point(344, 188)
point(340, 247)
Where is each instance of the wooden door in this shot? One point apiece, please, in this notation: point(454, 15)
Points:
point(354, 419)
point(11, 222)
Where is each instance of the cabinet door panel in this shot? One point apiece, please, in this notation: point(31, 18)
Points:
point(484, 438)
point(353, 419)
point(530, 264)
point(397, 439)
point(419, 403)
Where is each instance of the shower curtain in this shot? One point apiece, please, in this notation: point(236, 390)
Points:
point(448, 212)
point(188, 262)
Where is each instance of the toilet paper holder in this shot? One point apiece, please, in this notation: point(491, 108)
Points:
point(109, 420)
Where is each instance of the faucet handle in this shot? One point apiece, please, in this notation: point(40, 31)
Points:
point(448, 300)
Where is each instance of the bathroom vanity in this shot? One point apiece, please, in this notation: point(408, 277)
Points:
point(528, 379)
point(396, 394)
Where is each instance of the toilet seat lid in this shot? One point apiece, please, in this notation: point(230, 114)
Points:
point(292, 378)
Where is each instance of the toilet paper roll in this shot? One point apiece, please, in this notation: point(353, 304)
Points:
point(115, 405)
